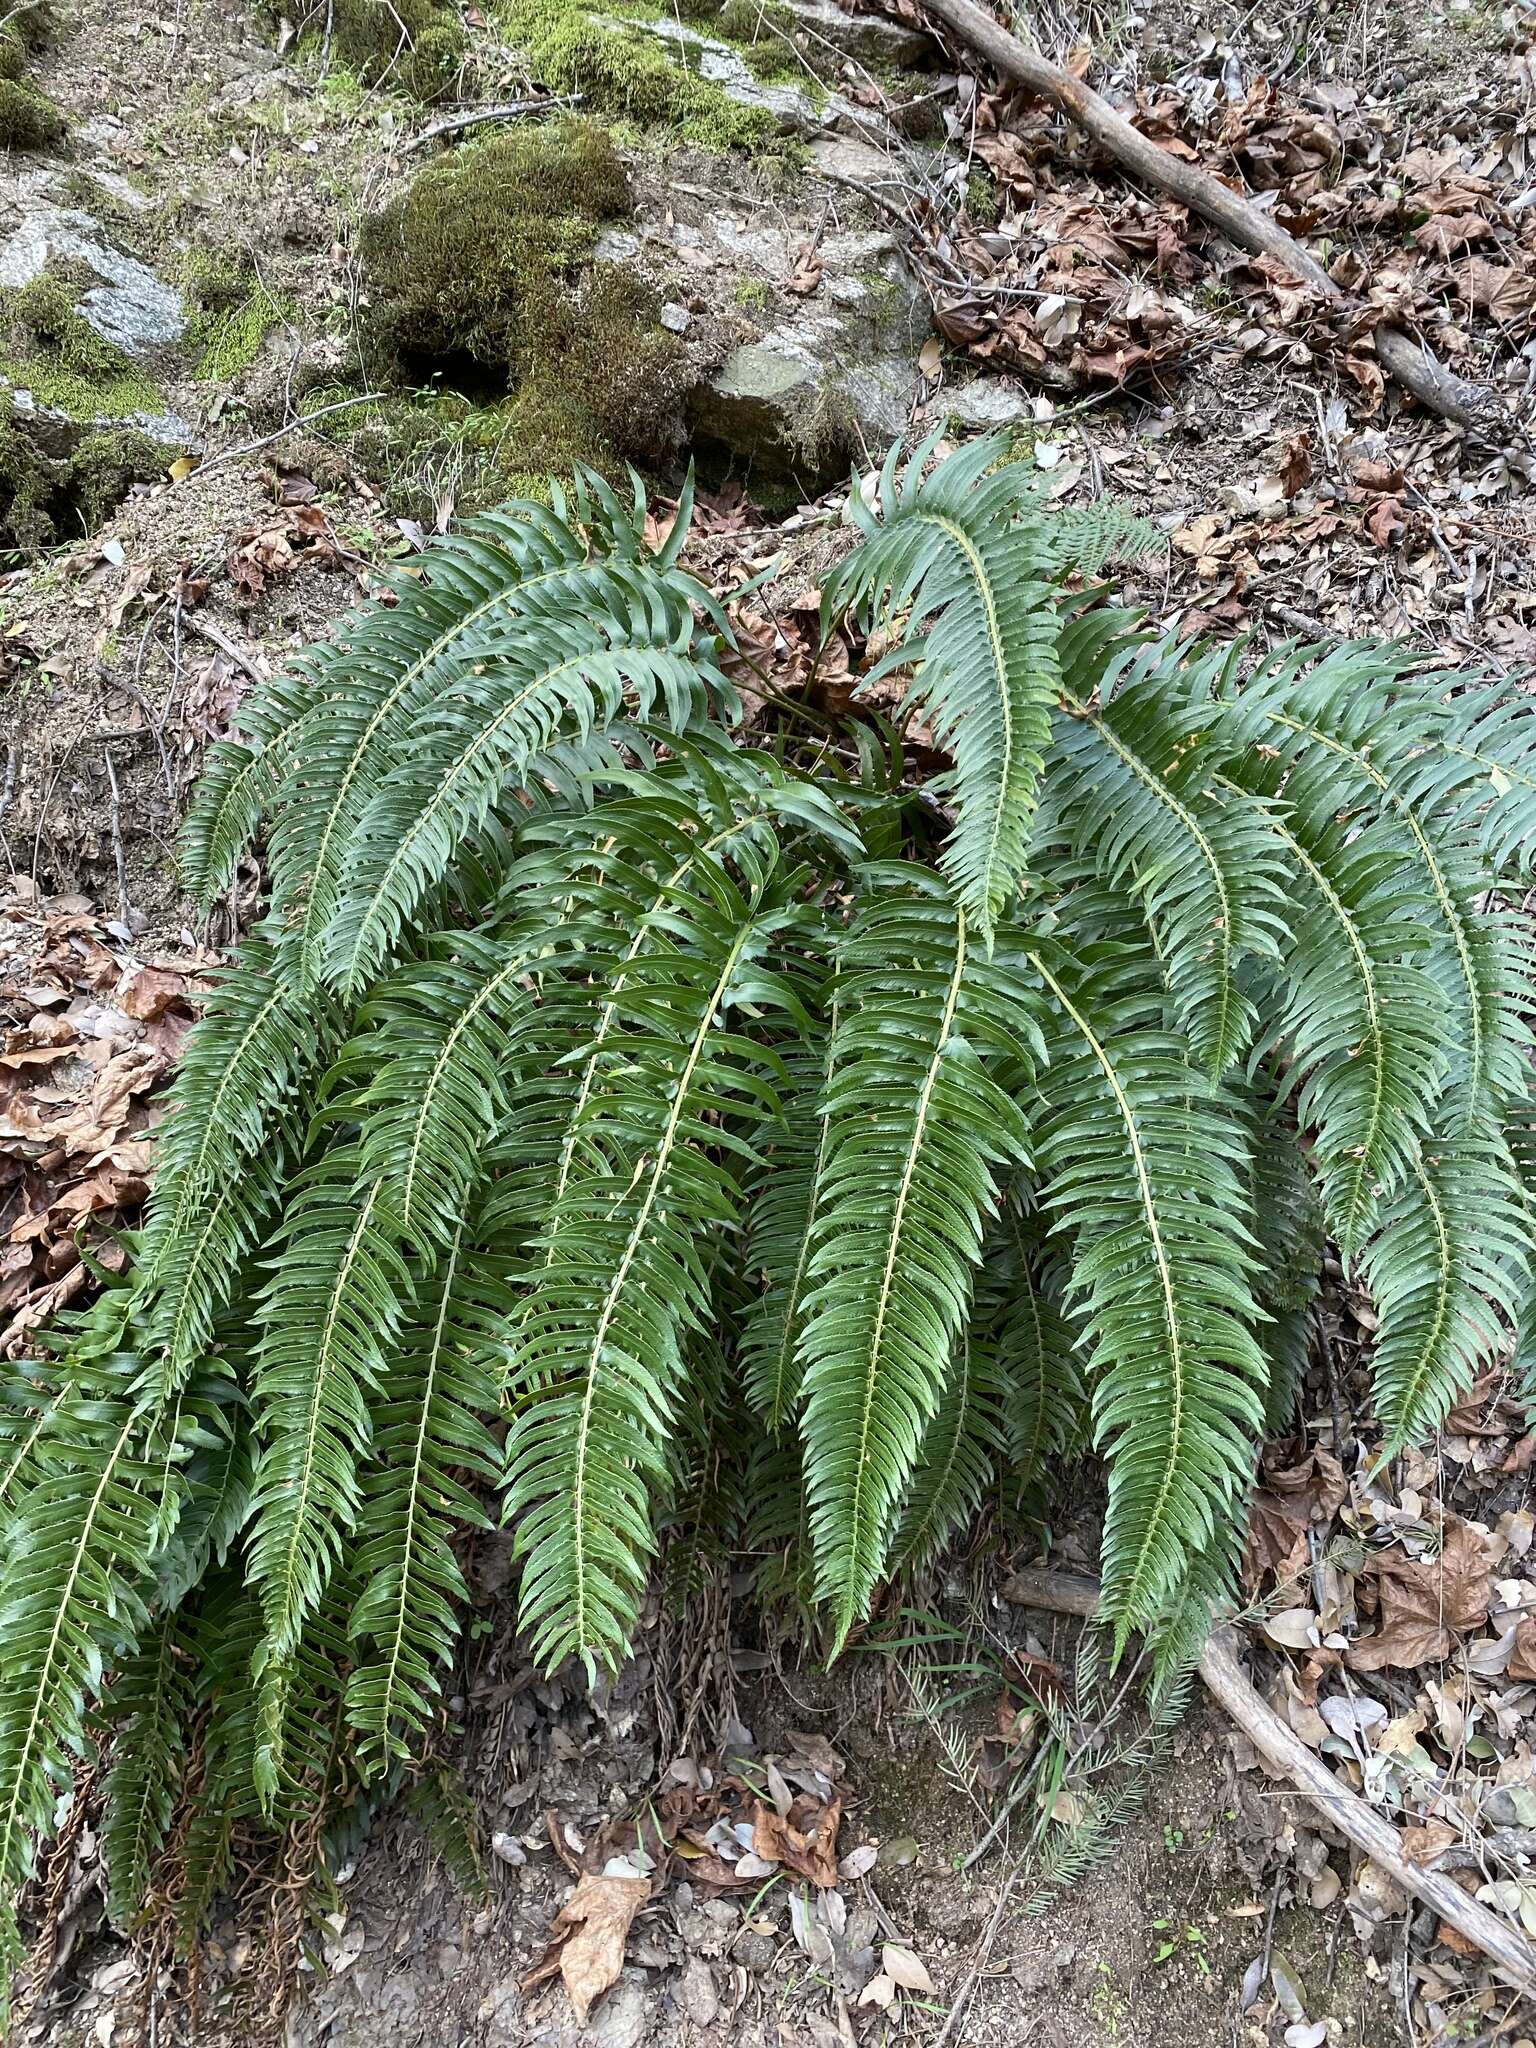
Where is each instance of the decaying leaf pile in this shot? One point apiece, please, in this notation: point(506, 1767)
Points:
point(1053, 266)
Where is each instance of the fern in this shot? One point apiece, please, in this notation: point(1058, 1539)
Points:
point(681, 1147)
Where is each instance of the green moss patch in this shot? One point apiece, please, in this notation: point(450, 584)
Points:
point(415, 46)
point(233, 313)
point(47, 500)
point(624, 70)
point(483, 290)
point(28, 118)
point(53, 351)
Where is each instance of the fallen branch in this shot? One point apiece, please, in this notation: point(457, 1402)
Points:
point(509, 110)
point(1407, 361)
point(1512, 1955)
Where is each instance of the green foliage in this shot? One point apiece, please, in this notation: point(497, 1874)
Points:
point(28, 118)
point(706, 1147)
point(624, 69)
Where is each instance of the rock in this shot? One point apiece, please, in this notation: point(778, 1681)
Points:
point(697, 1994)
point(755, 1952)
point(846, 156)
point(675, 318)
point(983, 403)
point(625, 2017)
point(128, 304)
point(871, 38)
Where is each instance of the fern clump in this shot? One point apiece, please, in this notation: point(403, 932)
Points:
point(655, 1141)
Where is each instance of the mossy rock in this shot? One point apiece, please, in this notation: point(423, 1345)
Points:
point(416, 46)
point(28, 118)
point(459, 264)
point(621, 69)
point(48, 498)
point(482, 283)
point(48, 347)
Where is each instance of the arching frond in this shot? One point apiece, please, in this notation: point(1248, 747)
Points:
point(428, 1441)
point(955, 564)
point(329, 1318)
point(1139, 1162)
point(1445, 1272)
point(1348, 737)
point(619, 1275)
point(150, 1707)
point(918, 1129)
point(954, 1462)
point(1133, 789)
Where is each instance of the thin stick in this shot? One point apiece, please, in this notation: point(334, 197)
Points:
point(116, 814)
point(508, 110)
point(1513, 1956)
point(1407, 361)
point(306, 419)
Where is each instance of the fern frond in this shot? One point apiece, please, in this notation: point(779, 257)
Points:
point(1346, 744)
point(1019, 1309)
point(1364, 1023)
point(919, 1128)
point(779, 1236)
point(554, 679)
point(954, 1464)
point(1445, 1274)
point(70, 1600)
point(1134, 792)
point(1139, 1159)
point(427, 1432)
point(620, 1275)
point(963, 551)
point(1290, 1228)
point(150, 1707)
point(329, 1318)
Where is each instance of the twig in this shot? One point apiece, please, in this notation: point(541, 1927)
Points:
point(507, 110)
point(1513, 1956)
point(1407, 361)
point(304, 420)
point(205, 629)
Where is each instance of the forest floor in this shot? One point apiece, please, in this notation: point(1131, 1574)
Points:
point(1299, 499)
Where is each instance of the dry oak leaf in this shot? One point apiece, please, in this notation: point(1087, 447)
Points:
point(805, 1841)
point(1422, 1601)
point(586, 1942)
point(1522, 1660)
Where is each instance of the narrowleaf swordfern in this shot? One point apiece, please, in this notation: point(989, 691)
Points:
point(629, 1134)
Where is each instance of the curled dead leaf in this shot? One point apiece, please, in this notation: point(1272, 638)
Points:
point(586, 1942)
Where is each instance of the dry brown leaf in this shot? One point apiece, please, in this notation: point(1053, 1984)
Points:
point(1522, 1660)
point(1423, 1600)
point(586, 1942)
point(805, 1841)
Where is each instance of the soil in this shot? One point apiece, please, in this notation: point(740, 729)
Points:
point(123, 656)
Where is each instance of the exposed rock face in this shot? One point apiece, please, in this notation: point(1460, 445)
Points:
point(127, 304)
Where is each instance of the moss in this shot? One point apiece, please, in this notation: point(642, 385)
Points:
point(622, 70)
point(48, 499)
point(753, 293)
point(106, 465)
point(28, 118)
point(54, 352)
point(981, 200)
point(416, 46)
point(526, 356)
point(13, 53)
point(456, 264)
point(763, 31)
